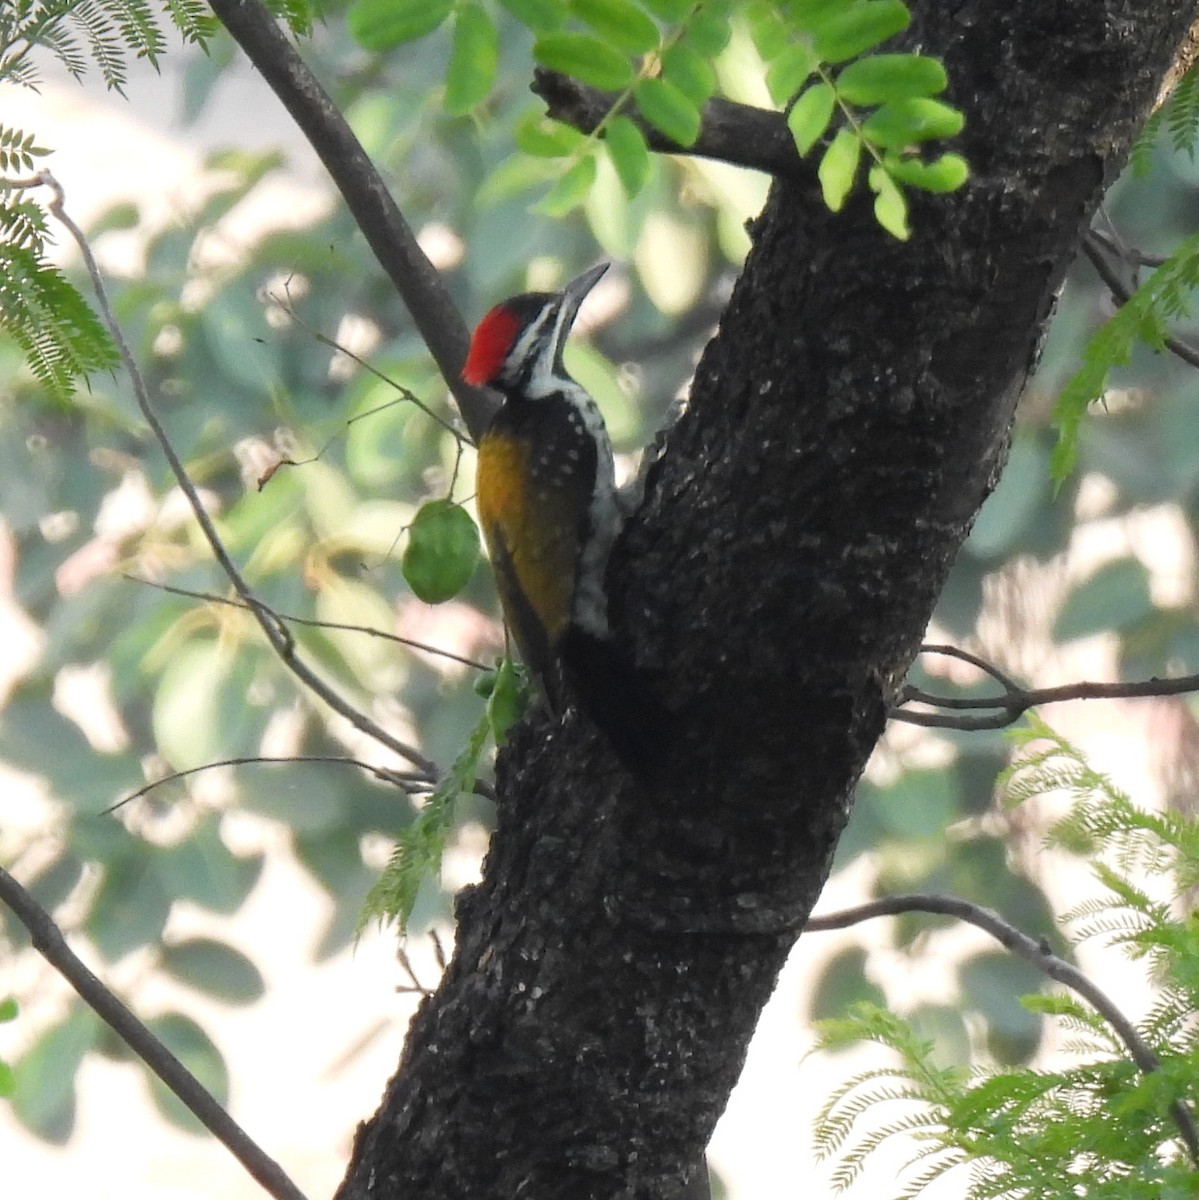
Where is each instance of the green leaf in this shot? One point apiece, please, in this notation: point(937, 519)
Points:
point(670, 10)
point(55, 882)
point(890, 206)
point(919, 804)
point(8, 1080)
point(810, 116)
point(942, 1028)
point(789, 70)
point(944, 174)
point(196, 1051)
point(844, 34)
point(1116, 597)
point(629, 153)
point(992, 983)
point(586, 58)
point(514, 176)
point(903, 122)
point(201, 868)
point(838, 168)
point(474, 54)
point(131, 906)
point(542, 137)
point(38, 738)
point(119, 216)
point(619, 22)
point(571, 189)
point(9, 1009)
point(690, 72)
point(708, 29)
point(507, 701)
point(215, 968)
point(383, 24)
point(767, 29)
point(43, 1097)
point(668, 110)
point(199, 711)
point(443, 548)
point(541, 16)
point(884, 77)
point(842, 983)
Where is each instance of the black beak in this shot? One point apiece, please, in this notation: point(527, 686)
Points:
point(575, 292)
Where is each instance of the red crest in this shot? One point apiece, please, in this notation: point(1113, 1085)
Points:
point(492, 340)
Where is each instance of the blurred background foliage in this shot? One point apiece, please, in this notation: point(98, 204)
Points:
point(235, 349)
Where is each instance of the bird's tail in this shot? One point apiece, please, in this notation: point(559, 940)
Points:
point(619, 699)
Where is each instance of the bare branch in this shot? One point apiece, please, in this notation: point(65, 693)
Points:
point(398, 778)
point(1016, 701)
point(733, 133)
point(1109, 239)
point(276, 633)
point(975, 660)
point(411, 643)
point(388, 234)
point(48, 940)
point(1033, 951)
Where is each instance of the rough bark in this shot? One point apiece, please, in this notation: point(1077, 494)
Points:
point(845, 425)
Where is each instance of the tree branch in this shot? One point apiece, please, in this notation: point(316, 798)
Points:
point(389, 235)
point(1016, 701)
point(48, 940)
point(1037, 953)
point(734, 133)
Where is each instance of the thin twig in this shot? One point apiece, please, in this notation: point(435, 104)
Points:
point(1033, 951)
point(48, 940)
point(1098, 251)
point(975, 660)
point(439, 954)
point(387, 776)
point(276, 633)
point(416, 985)
point(405, 393)
point(388, 234)
point(410, 643)
point(1111, 239)
point(1013, 704)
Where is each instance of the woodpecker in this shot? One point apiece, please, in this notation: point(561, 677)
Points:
point(546, 498)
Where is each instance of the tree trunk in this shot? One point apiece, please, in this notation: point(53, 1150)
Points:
point(844, 426)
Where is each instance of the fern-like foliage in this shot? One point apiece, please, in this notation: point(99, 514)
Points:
point(416, 857)
point(1163, 298)
point(1158, 301)
point(62, 339)
point(104, 33)
point(1178, 118)
point(1100, 1128)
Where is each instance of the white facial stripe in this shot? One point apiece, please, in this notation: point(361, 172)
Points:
point(544, 380)
point(526, 346)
